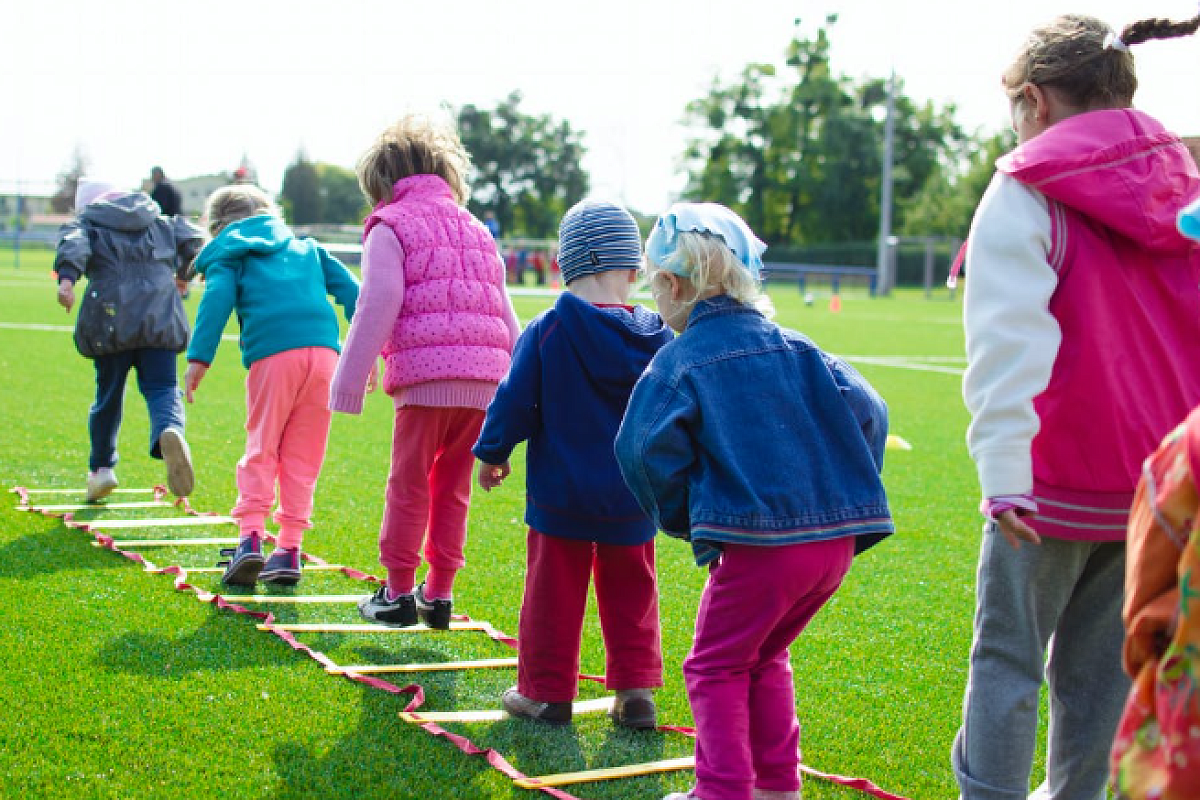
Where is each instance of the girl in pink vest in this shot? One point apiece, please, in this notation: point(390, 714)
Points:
point(433, 304)
point(1082, 318)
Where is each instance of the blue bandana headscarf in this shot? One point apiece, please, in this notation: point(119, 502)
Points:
point(1189, 220)
point(707, 218)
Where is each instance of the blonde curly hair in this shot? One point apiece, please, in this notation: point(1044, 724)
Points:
point(704, 260)
point(413, 145)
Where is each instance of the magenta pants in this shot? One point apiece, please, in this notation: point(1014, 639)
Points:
point(551, 626)
point(739, 679)
point(287, 428)
point(428, 493)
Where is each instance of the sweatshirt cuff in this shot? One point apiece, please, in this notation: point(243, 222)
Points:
point(346, 402)
point(1004, 473)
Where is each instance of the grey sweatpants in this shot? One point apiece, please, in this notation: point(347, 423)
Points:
point(1066, 595)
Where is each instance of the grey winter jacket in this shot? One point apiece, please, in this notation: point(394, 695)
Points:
point(131, 256)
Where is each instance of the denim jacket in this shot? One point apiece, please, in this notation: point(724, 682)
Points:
point(743, 432)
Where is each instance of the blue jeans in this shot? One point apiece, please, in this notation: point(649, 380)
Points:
point(158, 383)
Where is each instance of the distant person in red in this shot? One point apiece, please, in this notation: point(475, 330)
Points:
point(164, 193)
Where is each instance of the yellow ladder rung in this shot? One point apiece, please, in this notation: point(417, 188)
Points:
point(351, 627)
point(161, 522)
point(128, 543)
point(587, 776)
point(306, 568)
point(290, 598)
point(97, 506)
point(496, 715)
point(437, 666)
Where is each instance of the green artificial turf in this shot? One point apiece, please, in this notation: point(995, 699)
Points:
point(115, 685)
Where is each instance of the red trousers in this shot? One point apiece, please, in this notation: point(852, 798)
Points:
point(551, 628)
point(428, 492)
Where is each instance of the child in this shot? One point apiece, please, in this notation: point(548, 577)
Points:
point(1082, 319)
point(131, 317)
point(434, 305)
point(763, 451)
point(278, 285)
point(572, 373)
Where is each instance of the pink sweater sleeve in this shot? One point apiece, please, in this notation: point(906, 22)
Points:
point(379, 304)
point(511, 322)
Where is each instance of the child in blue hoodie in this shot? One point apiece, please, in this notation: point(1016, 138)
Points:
point(572, 372)
point(277, 284)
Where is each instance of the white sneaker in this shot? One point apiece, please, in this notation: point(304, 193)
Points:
point(100, 484)
point(181, 478)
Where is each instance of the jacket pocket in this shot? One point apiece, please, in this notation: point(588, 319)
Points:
point(96, 327)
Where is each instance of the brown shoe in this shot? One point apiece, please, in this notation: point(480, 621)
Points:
point(634, 708)
point(518, 705)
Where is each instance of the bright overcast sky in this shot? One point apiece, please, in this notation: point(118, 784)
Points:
point(193, 86)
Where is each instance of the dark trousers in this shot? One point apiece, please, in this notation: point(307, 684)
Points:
point(158, 383)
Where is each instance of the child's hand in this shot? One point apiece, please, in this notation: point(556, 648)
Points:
point(492, 475)
point(373, 378)
point(191, 379)
point(1016, 530)
point(66, 294)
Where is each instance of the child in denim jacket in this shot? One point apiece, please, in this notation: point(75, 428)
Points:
point(764, 452)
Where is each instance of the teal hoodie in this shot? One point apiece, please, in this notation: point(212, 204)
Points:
point(278, 286)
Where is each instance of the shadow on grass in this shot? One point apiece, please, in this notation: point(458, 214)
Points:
point(57, 549)
point(220, 643)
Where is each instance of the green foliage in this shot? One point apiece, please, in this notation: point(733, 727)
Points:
point(797, 151)
point(342, 201)
point(527, 168)
point(301, 194)
point(944, 205)
point(66, 181)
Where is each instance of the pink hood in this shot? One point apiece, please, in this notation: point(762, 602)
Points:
point(1119, 167)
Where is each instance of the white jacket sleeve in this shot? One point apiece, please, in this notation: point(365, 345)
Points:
point(1012, 338)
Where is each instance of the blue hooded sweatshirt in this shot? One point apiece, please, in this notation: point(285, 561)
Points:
point(278, 286)
point(572, 372)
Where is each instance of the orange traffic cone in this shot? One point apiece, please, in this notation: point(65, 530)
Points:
point(835, 304)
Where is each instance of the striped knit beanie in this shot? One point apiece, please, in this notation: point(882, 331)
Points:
point(595, 236)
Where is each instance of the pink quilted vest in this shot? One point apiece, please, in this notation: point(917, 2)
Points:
point(451, 325)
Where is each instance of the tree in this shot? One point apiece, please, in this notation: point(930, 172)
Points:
point(301, 193)
point(797, 151)
point(342, 200)
point(945, 204)
point(67, 181)
point(527, 169)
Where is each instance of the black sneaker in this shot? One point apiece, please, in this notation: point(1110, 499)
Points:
point(282, 568)
point(398, 613)
point(434, 613)
point(634, 709)
point(244, 564)
point(518, 705)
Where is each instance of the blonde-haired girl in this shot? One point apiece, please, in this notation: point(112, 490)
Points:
point(763, 451)
point(1082, 319)
point(278, 285)
point(434, 305)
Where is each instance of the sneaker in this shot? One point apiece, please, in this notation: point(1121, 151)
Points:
point(775, 794)
point(681, 796)
point(181, 478)
point(434, 613)
point(100, 484)
point(398, 613)
point(282, 568)
point(634, 708)
point(518, 705)
point(245, 562)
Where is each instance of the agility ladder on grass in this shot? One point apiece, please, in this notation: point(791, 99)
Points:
point(426, 720)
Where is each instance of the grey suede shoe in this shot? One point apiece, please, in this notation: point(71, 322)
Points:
point(518, 705)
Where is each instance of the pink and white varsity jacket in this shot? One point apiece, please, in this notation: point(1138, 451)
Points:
point(1082, 316)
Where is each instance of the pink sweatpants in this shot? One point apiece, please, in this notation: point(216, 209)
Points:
point(428, 493)
point(551, 626)
point(739, 679)
point(287, 428)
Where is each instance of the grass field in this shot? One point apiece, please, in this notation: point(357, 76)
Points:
point(115, 685)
